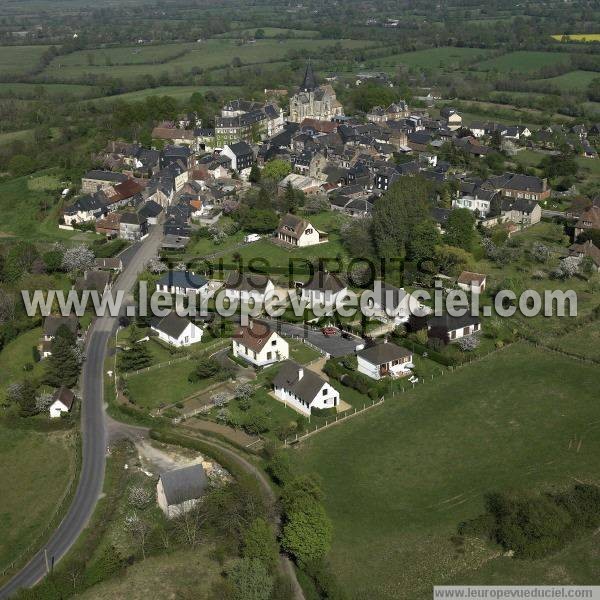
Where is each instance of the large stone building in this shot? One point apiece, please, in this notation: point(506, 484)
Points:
point(314, 101)
point(247, 121)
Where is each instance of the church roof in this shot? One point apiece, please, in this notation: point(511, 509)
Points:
point(310, 83)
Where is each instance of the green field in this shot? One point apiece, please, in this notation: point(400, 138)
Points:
point(205, 55)
point(19, 59)
point(15, 355)
point(35, 470)
point(445, 57)
point(36, 90)
point(572, 81)
point(399, 479)
point(523, 61)
point(271, 32)
point(584, 341)
point(182, 92)
point(12, 136)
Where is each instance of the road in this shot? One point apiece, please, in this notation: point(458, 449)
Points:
point(335, 344)
point(93, 429)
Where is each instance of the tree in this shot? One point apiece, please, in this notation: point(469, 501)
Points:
point(139, 530)
point(307, 533)
point(254, 176)
point(460, 229)
point(18, 261)
point(357, 237)
point(396, 214)
point(276, 169)
point(451, 260)
point(43, 402)
point(64, 364)
point(139, 497)
point(424, 239)
point(20, 165)
point(77, 259)
point(279, 467)
point(259, 542)
point(250, 579)
point(23, 395)
point(468, 343)
point(135, 358)
point(205, 367)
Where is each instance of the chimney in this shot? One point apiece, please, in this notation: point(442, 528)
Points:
point(300, 373)
point(250, 324)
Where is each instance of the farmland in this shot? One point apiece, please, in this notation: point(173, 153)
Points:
point(578, 37)
point(523, 61)
point(432, 58)
point(574, 80)
point(400, 479)
point(16, 59)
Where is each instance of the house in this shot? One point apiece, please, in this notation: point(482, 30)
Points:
point(304, 183)
point(95, 180)
point(246, 287)
point(449, 329)
point(51, 325)
point(452, 118)
point(62, 402)
point(177, 331)
point(97, 281)
point(179, 490)
point(296, 231)
point(520, 211)
point(132, 226)
point(109, 225)
point(150, 211)
point(182, 283)
point(85, 208)
point(109, 264)
point(516, 185)
point(259, 345)
point(385, 359)
point(323, 289)
point(587, 249)
point(588, 220)
point(392, 303)
point(472, 282)
point(302, 389)
point(240, 154)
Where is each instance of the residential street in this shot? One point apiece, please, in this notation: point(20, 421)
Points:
point(92, 428)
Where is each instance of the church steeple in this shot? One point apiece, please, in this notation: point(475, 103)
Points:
point(310, 83)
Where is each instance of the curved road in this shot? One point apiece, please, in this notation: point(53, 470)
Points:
point(93, 429)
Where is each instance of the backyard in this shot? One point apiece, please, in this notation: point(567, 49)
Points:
point(399, 479)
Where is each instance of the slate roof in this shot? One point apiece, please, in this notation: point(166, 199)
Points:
point(309, 83)
point(150, 209)
point(173, 325)
point(106, 176)
point(292, 225)
point(325, 282)
point(384, 353)
point(182, 279)
point(65, 396)
point(449, 323)
point(240, 149)
point(246, 282)
point(305, 388)
point(52, 323)
point(184, 484)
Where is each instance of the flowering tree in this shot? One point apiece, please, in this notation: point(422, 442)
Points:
point(139, 497)
point(569, 267)
point(468, 343)
point(157, 266)
point(43, 401)
point(78, 258)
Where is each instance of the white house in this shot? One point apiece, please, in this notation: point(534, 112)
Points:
point(323, 289)
point(391, 303)
point(177, 331)
point(182, 283)
point(296, 231)
point(472, 282)
point(259, 345)
point(385, 359)
point(179, 490)
point(449, 329)
point(245, 287)
point(62, 402)
point(303, 389)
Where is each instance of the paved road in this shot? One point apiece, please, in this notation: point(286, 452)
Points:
point(335, 345)
point(93, 430)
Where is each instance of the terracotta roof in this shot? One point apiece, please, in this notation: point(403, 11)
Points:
point(292, 225)
point(586, 249)
point(468, 277)
point(254, 336)
point(172, 133)
point(591, 216)
point(320, 126)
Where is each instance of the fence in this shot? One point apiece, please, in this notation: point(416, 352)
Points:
point(53, 519)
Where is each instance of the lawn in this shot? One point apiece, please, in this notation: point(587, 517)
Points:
point(400, 478)
point(15, 355)
point(19, 59)
point(576, 81)
point(584, 341)
point(523, 61)
point(302, 353)
point(31, 463)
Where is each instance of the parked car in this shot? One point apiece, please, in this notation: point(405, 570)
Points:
point(328, 331)
point(346, 335)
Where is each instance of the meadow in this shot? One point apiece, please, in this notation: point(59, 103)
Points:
point(523, 61)
point(182, 92)
point(25, 470)
point(432, 58)
point(19, 59)
point(579, 37)
point(572, 81)
point(399, 479)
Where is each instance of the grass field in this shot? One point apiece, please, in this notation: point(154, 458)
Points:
point(579, 37)
point(523, 61)
point(12, 136)
point(399, 479)
point(31, 462)
point(205, 55)
point(17, 59)
point(35, 90)
point(180, 92)
point(584, 341)
point(445, 57)
point(15, 355)
point(572, 81)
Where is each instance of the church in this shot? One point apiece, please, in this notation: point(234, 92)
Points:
point(314, 101)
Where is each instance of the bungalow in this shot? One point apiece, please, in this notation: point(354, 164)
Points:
point(296, 231)
point(109, 264)
point(62, 402)
point(323, 289)
point(183, 283)
point(385, 359)
point(179, 490)
point(246, 287)
point(97, 281)
point(472, 282)
point(177, 331)
point(302, 389)
point(449, 329)
point(259, 345)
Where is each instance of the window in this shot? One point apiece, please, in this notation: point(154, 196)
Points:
point(269, 355)
point(324, 391)
point(274, 343)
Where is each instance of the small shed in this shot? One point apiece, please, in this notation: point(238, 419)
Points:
point(179, 490)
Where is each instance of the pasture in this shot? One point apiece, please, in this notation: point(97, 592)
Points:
point(19, 59)
point(432, 58)
point(399, 479)
point(572, 81)
point(523, 61)
point(182, 92)
point(577, 37)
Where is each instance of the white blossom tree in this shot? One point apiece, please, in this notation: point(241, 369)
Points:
point(468, 343)
point(43, 401)
point(157, 266)
point(77, 259)
point(139, 497)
